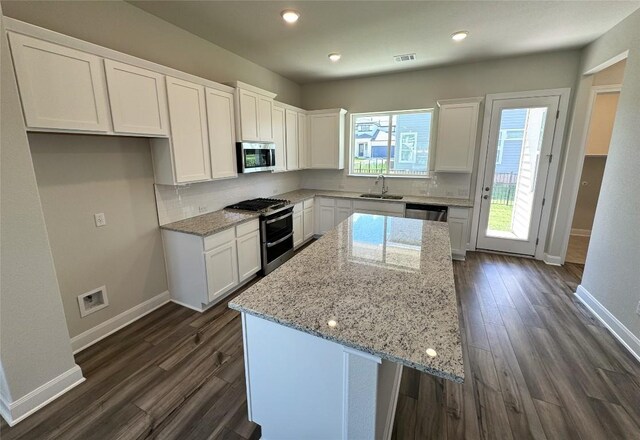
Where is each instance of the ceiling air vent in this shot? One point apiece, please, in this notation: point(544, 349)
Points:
point(405, 57)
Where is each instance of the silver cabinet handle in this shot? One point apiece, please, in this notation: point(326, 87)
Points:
point(279, 241)
point(279, 218)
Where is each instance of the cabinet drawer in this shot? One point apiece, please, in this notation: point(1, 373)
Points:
point(308, 204)
point(245, 228)
point(298, 207)
point(324, 201)
point(458, 212)
point(220, 238)
point(343, 203)
point(392, 208)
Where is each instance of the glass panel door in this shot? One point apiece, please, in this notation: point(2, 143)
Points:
point(520, 140)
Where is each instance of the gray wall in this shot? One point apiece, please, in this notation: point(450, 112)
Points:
point(81, 175)
point(34, 342)
point(592, 172)
point(421, 89)
point(611, 272)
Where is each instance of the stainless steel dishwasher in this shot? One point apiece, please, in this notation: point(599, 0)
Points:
point(426, 212)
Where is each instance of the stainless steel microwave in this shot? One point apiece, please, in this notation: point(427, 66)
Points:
point(254, 157)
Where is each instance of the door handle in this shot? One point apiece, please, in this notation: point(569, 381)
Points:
point(486, 196)
point(279, 241)
point(279, 218)
point(487, 188)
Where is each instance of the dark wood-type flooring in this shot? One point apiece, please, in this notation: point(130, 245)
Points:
point(537, 366)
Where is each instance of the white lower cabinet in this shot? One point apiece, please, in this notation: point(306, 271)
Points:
point(249, 261)
point(222, 270)
point(378, 208)
point(303, 222)
point(458, 219)
point(203, 270)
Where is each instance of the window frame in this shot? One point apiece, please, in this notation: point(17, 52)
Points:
point(353, 142)
point(502, 138)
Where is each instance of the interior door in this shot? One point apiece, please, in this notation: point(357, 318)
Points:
point(518, 156)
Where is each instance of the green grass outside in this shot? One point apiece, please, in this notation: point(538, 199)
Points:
point(500, 217)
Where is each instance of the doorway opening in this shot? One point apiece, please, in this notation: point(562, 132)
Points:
point(603, 106)
point(516, 171)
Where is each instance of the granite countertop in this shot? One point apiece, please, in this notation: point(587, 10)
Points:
point(208, 224)
point(382, 285)
point(302, 194)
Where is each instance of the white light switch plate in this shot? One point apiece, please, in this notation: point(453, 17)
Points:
point(100, 219)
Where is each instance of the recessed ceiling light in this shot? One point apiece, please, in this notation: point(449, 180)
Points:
point(459, 36)
point(334, 57)
point(290, 16)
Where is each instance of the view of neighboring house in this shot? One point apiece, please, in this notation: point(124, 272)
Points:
point(405, 146)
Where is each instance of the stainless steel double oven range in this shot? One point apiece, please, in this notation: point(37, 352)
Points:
point(276, 229)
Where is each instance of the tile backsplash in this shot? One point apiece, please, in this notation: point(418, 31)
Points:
point(184, 201)
point(180, 202)
point(438, 185)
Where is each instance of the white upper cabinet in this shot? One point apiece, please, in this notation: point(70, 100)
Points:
point(254, 113)
point(303, 145)
point(265, 118)
point(189, 137)
point(138, 100)
point(279, 130)
point(248, 128)
point(291, 136)
point(60, 88)
point(456, 138)
point(220, 119)
point(326, 138)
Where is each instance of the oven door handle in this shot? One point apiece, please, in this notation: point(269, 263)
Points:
point(279, 241)
point(279, 218)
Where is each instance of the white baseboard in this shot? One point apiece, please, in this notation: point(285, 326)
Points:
point(552, 260)
point(101, 331)
point(621, 333)
point(581, 232)
point(14, 412)
point(188, 306)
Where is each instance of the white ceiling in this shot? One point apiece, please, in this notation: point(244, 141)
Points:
point(369, 33)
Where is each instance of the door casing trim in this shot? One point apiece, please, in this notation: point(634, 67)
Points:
point(552, 177)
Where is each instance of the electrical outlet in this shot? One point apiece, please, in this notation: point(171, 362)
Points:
point(100, 219)
point(202, 209)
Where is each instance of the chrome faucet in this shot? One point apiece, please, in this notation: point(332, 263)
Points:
point(384, 189)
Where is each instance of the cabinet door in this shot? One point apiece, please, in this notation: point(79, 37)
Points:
point(298, 229)
point(138, 100)
point(293, 153)
point(222, 134)
point(342, 214)
point(249, 261)
point(324, 138)
point(265, 118)
point(248, 111)
point(222, 269)
point(60, 88)
point(458, 234)
point(308, 223)
point(326, 219)
point(189, 137)
point(456, 140)
point(279, 138)
point(303, 147)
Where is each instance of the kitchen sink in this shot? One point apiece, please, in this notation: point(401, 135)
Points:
point(381, 196)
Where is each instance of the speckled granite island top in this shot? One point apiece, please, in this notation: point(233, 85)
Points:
point(207, 224)
point(383, 285)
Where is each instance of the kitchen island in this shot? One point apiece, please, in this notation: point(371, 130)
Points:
point(327, 334)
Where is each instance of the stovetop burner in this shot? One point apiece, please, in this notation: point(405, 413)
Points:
point(259, 205)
